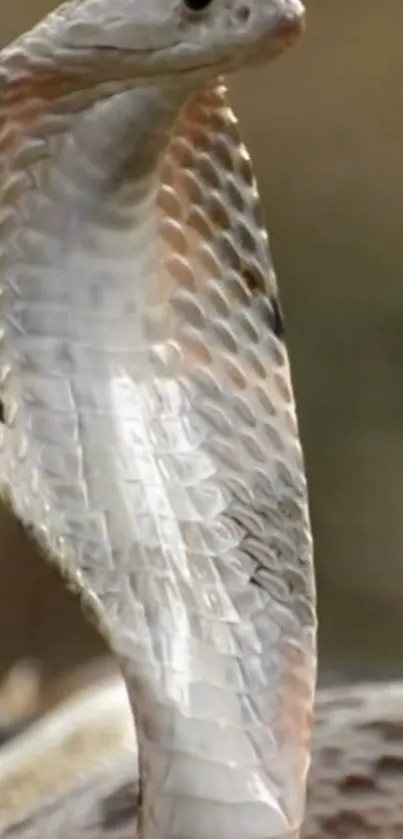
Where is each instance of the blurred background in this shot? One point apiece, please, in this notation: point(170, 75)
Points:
point(325, 129)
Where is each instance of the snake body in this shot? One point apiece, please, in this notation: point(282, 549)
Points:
point(72, 774)
point(150, 438)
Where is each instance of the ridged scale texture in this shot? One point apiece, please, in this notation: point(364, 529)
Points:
point(151, 442)
point(356, 780)
point(355, 785)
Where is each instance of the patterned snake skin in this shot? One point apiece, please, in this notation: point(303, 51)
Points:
point(73, 775)
point(150, 436)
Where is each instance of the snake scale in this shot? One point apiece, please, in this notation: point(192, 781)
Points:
point(72, 773)
point(149, 436)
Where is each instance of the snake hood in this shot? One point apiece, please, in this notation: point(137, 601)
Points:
point(150, 437)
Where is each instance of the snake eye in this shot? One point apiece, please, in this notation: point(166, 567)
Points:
point(197, 5)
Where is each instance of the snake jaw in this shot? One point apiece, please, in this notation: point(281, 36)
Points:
point(97, 42)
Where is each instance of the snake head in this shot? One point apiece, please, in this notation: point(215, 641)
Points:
point(166, 38)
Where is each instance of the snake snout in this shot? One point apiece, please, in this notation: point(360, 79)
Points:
point(291, 26)
point(292, 30)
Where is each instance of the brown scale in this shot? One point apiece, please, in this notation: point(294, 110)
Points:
point(210, 238)
point(355, 787)
point(342, 803)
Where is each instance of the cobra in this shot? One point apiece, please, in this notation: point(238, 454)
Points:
point(150, 438)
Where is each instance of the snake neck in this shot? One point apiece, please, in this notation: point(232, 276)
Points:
point(82, 293)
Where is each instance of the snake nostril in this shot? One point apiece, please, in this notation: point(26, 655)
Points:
point(242, 13)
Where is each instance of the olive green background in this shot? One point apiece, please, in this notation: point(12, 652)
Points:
point(324, 125)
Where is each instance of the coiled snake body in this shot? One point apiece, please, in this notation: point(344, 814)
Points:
point(72, 774)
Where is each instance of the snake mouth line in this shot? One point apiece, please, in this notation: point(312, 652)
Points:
point(145, 66)
point(284, 34)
